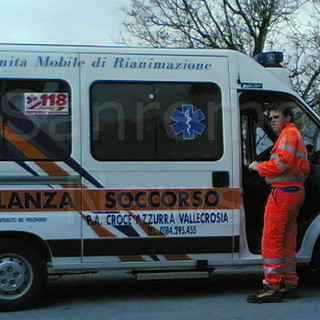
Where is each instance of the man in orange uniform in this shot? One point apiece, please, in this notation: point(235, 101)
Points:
point(285, 172)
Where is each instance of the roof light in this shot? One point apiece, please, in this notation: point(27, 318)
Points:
point(269, 59)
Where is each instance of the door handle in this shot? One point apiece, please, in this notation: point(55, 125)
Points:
point(220, 179)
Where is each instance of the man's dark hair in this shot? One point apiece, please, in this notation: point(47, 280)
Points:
point(286, 111)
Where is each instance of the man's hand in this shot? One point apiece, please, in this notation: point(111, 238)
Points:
point(254, 166)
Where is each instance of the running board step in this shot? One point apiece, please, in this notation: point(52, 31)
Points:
point(173, 275)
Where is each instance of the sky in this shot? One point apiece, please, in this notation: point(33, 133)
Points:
point(69, 22)
point(73, 22)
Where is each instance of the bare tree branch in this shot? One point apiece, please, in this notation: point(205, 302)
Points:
point(250, 26)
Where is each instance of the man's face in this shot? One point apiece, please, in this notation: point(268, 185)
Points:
point(278, 120)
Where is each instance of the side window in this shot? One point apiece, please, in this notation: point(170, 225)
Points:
point(263, 141)
point(35, 120)
point(145, 121)
point(309, 130)
point(254, 139)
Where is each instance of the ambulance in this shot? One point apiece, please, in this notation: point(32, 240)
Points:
point(136, 159)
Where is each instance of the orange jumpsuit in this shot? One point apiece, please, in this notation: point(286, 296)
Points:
point(285, 172)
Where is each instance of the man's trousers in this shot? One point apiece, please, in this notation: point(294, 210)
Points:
point(279, 236)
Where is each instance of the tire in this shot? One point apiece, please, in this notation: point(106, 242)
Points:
point(23, 275)
point(311, 273)
point(315, 263)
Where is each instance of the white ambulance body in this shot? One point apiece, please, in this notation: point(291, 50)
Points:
point(138, 159)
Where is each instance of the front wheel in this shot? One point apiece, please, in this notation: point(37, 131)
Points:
point(23, 275)
point(311, 273)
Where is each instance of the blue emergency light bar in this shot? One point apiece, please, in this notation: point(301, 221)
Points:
point(269, 59)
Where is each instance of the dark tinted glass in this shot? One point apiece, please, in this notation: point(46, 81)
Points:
point(156, 121)
point(35, 120)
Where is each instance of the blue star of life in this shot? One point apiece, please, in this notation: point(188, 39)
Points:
point(188, 122)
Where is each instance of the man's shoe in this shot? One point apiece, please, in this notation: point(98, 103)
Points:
point(267, 294)
point(290, 292)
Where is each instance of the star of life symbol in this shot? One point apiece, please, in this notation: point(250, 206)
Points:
point(188, 122)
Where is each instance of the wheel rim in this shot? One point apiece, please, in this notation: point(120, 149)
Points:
point(16, 276)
